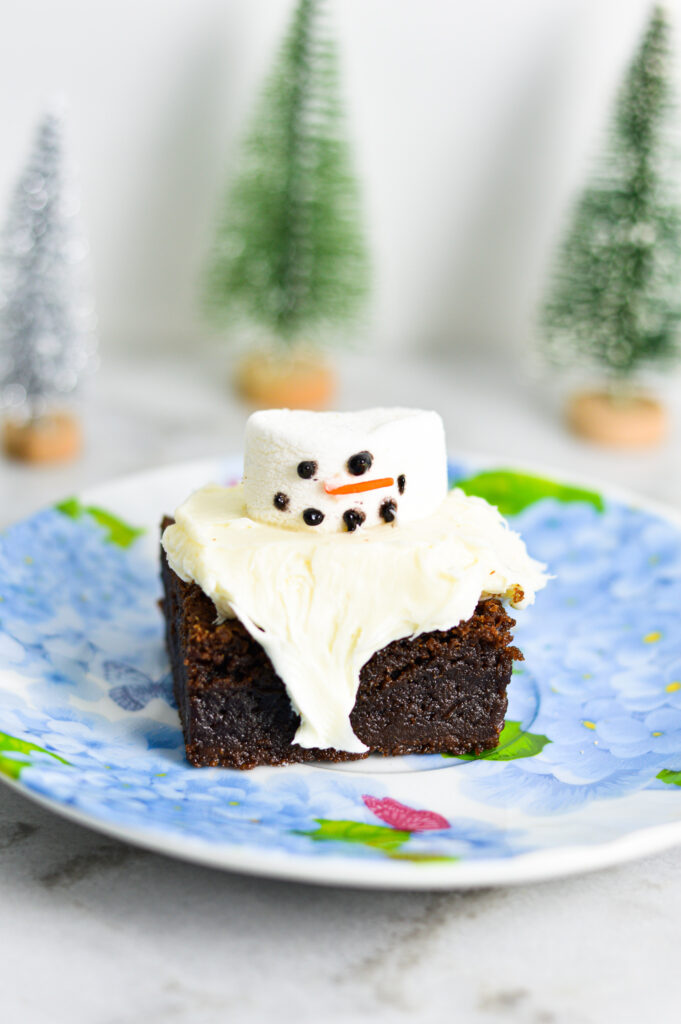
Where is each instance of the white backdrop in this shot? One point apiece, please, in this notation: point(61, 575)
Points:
point(471, 121)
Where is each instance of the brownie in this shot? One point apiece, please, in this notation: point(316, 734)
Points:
point(440, 692)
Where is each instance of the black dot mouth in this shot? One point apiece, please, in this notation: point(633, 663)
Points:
point(401, 483)
point(313, 516)
point(353, 518)
point(388, 510)
point(281, 501)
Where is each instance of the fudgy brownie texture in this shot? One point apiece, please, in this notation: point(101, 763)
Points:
point(441, 692)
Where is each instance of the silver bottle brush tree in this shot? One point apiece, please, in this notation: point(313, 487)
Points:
point(47, 321)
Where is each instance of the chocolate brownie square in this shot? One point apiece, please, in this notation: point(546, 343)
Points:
point(440, 692)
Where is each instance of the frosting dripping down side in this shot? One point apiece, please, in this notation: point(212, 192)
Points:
point(321, 604)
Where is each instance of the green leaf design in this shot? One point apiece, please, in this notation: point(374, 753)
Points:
point(118, 531)
point(514, 743)
point(70, 507)
point(423, 858)
point(381, 837)
point(512, 492)
point(13, 766)
point(670, 777)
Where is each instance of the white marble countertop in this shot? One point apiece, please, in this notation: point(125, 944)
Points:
point(98, 932)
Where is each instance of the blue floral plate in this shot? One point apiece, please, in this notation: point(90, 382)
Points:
point(587, 773)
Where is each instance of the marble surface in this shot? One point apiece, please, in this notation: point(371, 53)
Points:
point(98, 932)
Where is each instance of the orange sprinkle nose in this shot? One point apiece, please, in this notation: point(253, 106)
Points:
point(362, 485)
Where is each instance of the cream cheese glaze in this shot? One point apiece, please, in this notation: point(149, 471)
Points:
point(321, 604)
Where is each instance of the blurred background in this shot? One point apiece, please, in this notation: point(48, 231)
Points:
point(471, 127)
point(470, 123)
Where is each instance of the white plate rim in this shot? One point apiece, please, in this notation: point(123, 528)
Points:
point(535, 866)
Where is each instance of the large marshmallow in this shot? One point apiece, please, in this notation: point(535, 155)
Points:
point(406, 446)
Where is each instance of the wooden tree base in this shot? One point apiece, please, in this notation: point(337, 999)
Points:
point(55, 437)
point(637, 422)
point(289, 381)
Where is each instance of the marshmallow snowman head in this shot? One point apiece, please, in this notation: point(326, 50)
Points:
point(339, 471)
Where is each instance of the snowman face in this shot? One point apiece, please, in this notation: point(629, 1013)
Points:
point(352, 501)
point(338, 472)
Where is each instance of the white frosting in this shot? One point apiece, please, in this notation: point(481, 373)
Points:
point(403, 443)
point(321, 604)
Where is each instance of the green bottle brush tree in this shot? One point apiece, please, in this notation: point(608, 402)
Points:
point(614, 303)
point(289, 263)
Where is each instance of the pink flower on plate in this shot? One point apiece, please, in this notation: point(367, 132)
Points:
point(408, 819)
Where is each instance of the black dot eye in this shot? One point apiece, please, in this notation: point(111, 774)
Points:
point(313, 517)
point(401, 483)
point(360, 463)
point(353, 518)
point(387, 510)
point(281, 501)
point(306, 470)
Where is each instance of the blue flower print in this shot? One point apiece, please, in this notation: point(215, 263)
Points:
point(84, 675)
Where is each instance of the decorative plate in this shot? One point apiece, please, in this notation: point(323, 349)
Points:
point(587, 773)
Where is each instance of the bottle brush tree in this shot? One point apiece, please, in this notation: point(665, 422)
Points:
point(47, 336)
point(289, 260)
point(614, 303)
